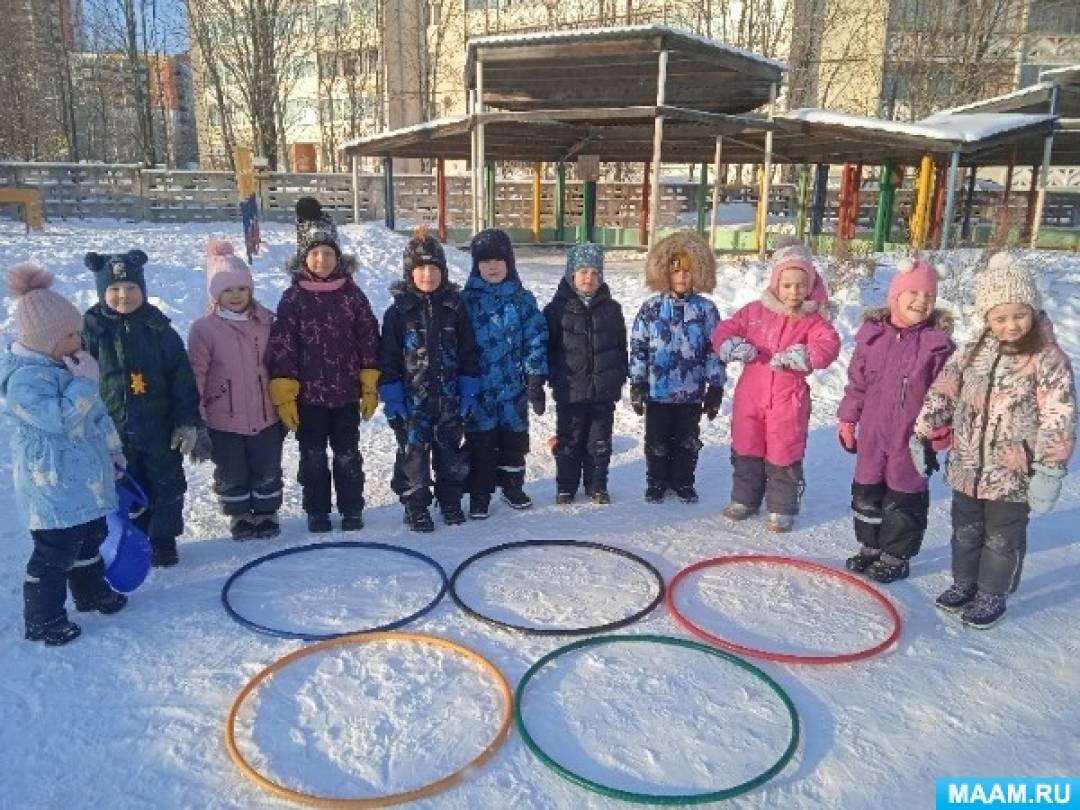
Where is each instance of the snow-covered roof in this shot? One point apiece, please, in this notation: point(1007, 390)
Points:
point(432, 125)
point(1069, 74)
point(960, 129)
point(621, 32)
point(1031, 91)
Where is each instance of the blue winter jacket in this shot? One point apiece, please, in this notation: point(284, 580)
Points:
point(670, 348)
point(511, 343)
point(63, 441)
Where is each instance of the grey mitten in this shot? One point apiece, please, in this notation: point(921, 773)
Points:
point(183, 439)
point(1044, 488)
point(737, 349)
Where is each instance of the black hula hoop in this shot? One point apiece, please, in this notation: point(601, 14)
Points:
point(271, 631)
point(556, 631)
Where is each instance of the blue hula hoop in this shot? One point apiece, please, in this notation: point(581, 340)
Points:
point(271, 631)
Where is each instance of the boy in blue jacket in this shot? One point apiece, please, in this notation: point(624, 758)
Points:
point(511, 339)
point(64, 451)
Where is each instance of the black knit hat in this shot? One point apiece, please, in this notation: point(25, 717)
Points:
point(112, 269)
point(314, 227)
point(423, 248)
point(493, 244)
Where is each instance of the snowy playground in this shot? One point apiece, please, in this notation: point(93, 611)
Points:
point(132, 715)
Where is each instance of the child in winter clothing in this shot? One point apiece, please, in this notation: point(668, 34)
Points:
point(429, 381)
point(674, 375)
point(780, 338)
point(899, 351)
point(323, 368)
point(64, 449)
point(228, 355)
point(588, 363)
point(511, 339)
point(149, 390)
point(1010, 401)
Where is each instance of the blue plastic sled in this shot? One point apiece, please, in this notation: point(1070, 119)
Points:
point(126, 551)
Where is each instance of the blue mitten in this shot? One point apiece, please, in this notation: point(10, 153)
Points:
point(793, 358)
point(393, 400)
point(467, 388)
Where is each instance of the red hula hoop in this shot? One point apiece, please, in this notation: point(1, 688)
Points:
point(784, 658)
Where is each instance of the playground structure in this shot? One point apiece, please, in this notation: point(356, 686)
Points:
point(653, 94)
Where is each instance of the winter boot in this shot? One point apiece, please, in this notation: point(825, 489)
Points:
point(864, 559)
point(654, 493)
point(418, 519)
point(957, 597)
point(778, 523)
point(55, 633)
point(738, 512)
point(352, 523)
point(242, 527)
point(452, 514)
point(601, 497)
point(564, 498)
point(888, 569)
point(984, 611)
point(479, 506)
point(319, 524)
point(687, 494)
point(267, 526)
point(516, 497)
point(163, 552)
point(107, 602)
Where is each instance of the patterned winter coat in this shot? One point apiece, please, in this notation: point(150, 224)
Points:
point(889, 375)
point(427, 343)
point(63, 442)
point(511, 343)
point(586, 346)
point(146, 379)
point(1008, 411)
point(325, 333)
point(670, 350)
point(229, 360)
point(771, 409)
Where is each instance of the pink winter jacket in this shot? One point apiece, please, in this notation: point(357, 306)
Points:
point(229, 361)
point(771, 410)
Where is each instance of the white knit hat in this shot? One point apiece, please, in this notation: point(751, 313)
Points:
point(225, 269)
point(1005, 281)
point(42, 317)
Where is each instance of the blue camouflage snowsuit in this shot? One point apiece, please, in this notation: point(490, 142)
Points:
point(511, 342)
point(671, 353)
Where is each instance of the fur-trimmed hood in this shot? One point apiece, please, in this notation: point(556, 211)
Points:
point(940, 319)
point(702, 262)
point(346, 266)
point(825, 308)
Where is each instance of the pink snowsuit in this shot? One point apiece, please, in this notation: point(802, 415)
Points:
point(771, 410)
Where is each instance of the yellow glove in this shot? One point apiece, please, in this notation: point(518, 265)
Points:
point(369, 392)
point(283, 393)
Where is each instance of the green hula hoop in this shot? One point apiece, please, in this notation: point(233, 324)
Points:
point(647, 798)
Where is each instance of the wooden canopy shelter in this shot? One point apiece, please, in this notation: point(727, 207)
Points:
point(646, 93)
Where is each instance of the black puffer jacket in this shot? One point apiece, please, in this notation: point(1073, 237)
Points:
point(586, 346)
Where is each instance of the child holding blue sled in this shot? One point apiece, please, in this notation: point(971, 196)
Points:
point(64, 454)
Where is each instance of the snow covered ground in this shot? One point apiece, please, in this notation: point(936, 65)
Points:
point(130, 715)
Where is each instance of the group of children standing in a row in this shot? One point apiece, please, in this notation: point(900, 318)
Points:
point(457, 370)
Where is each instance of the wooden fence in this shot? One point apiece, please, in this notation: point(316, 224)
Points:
point(130, 192)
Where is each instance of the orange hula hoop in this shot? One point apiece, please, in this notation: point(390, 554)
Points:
point(422, 792)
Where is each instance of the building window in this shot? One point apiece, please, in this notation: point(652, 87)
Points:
point(1054, 17)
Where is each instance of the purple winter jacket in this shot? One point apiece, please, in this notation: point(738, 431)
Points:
point(889, 375)
point(324, 337)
